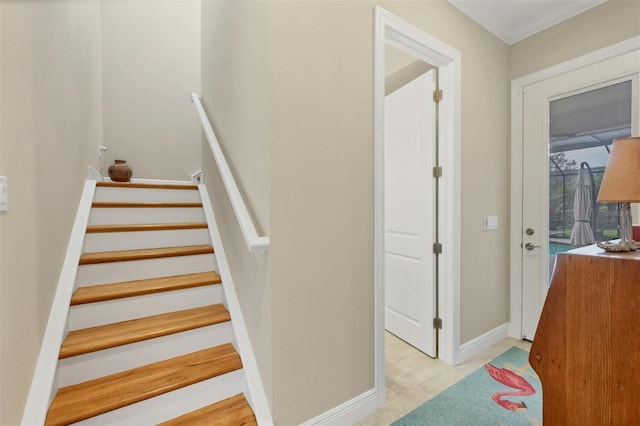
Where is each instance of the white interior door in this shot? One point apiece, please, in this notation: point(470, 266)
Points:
point(410, 213)
point(541, 235)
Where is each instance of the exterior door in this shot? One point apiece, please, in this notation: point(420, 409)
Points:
point(410, 213)
point(569, 123)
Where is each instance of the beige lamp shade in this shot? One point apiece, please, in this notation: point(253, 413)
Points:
point(621, 180)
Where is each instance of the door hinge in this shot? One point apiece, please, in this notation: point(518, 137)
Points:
point(437, 95)
point(437, 323)
point(437, 172)
point(437, 248)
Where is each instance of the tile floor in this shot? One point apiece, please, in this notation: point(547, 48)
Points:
point(413, 378)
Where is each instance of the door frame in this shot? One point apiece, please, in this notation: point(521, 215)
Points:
point(393, 31)
point(516, 161)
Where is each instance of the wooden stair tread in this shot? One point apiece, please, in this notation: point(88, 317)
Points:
point(88, 399)
point(141, 254)
point(97, 338)
point(145, 227)
point(100, 293)
point(108, 184)
point(233, 411)
point(146, 204)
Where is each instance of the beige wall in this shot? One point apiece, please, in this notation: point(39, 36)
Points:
point(395, 60)
point(397, 75)
point(50, 114)
point(602, 26)
point(320, 68)
point(151, 59)
point(317, 195)
point(235, 95)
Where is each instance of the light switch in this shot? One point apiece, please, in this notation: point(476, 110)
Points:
point(3, 194)
point(490, 223)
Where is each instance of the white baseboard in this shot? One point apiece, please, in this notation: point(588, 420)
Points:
point(347, 413)
point(352, 411)
point(482, 342)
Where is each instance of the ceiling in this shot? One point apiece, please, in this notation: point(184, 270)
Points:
point(514, 20)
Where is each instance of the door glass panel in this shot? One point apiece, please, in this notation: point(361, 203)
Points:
point(582, 129)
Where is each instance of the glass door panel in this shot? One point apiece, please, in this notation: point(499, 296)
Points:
point(582, 127)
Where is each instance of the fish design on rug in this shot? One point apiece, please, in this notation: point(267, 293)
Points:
point(514, 381)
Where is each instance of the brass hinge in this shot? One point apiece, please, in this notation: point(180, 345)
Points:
point(437, 323)
point(437, 248)
point(437, 172)
point(437, 95)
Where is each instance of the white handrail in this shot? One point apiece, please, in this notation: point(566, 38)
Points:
point(254, 242)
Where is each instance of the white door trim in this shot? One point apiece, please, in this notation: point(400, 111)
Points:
point(517, 86)
point(398, 33)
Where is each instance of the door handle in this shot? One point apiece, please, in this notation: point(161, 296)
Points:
point(530, 246)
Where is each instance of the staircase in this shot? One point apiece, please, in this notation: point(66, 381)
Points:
point(150, 339)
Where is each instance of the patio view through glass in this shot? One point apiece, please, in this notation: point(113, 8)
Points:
point(582, 129)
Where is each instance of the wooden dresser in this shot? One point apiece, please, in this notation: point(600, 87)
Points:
point(586, 350)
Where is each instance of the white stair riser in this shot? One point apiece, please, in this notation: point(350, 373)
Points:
point(173, 404)
point(105, 273)
point(119, 216)
point(101, 313)
point(85, 367)
point(146, 195)
point(112, 241)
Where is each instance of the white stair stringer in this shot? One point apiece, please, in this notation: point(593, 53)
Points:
point(44, 383)
point(173, 404)
point(80, 368)
point(255, 392)
point(137, 240)
point(117, 310)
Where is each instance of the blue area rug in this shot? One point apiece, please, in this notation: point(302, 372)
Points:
point(505, 392)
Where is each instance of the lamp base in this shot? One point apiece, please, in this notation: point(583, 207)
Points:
point(629, 245)
point(626, 242)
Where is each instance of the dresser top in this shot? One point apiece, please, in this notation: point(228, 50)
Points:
point(594, 250)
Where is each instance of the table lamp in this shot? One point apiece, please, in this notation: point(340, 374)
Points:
point(621, 184)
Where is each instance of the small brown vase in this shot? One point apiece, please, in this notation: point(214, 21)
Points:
point(120, 172)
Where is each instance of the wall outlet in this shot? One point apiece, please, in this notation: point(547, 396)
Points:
point(490, 223)
point(4, 199)
point(101, 149)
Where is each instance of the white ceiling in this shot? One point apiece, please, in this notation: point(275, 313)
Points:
point(514, 20)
